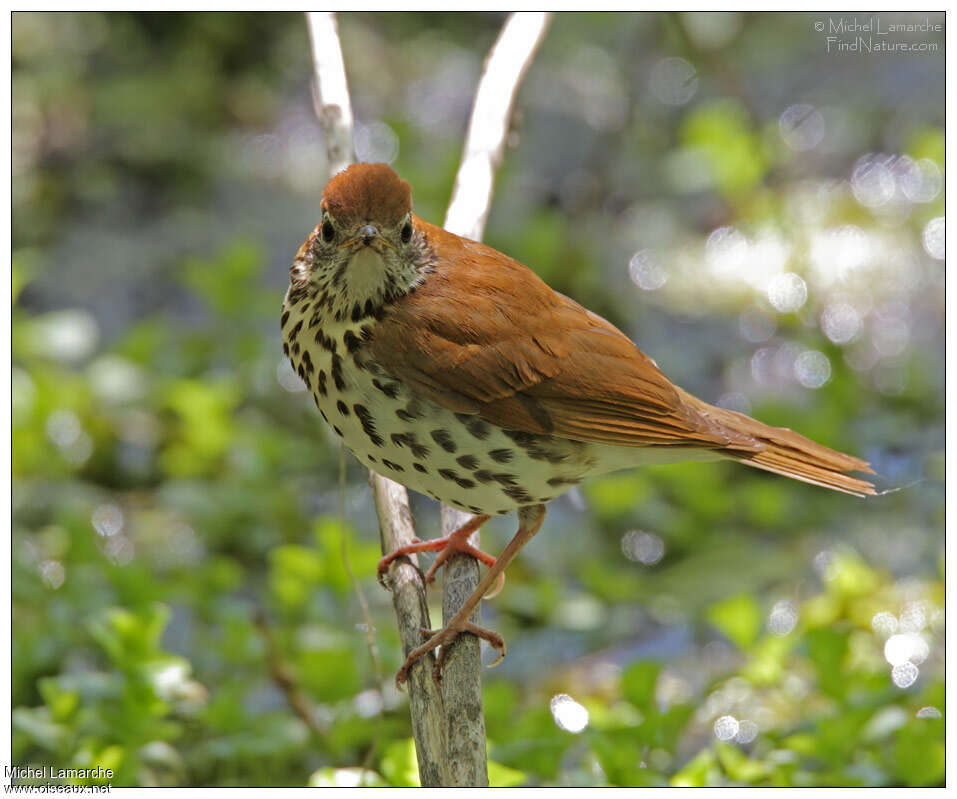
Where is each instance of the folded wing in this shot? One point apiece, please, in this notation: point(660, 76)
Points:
point(484, 335)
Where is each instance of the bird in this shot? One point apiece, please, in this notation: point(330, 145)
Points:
point(455, 370)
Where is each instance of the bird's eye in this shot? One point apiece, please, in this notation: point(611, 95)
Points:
point(406, 233)
point(328, 232)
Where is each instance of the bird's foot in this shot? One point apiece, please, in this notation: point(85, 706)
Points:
point(443, 638)
point(447, 546)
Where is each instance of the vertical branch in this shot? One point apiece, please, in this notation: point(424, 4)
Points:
point(333, 104)
point(506, 65)
point(412, 614)
point(334, 110)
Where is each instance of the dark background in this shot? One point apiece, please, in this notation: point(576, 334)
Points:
point(763, 217)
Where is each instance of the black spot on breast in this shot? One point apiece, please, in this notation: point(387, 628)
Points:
point(338, 431)
point(285, 348)
point(343, 408)
point(469, 462)
point(448, 474)
point(420, 468)
point(307, 362)
point(501, 455)
point(476, 427)
point(321, 382)
point(504, 478)
point(295, 331)
point(444, 440)
point(340, 273)
point(351, 340)
point(518, 494)
point(283, 319)
point(404, 415)
point(537, 447)
point(295, 348)
point(563, 481)
point(413, 410)
point(368, 425)
point(324, 415)
point(337, 373)
point(409, 440)
point(474, 509)
point(394, 466)
point(391, 390)
point(371, 458)
point(325, 342)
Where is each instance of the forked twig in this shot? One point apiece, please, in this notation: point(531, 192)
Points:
point(448, 725)
point(505, 66)
point(396, 529)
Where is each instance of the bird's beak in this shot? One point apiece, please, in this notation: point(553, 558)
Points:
point(368, 236)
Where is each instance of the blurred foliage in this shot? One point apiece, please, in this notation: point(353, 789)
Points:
point(177, 539)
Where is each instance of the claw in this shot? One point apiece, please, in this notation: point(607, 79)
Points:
point(501, 655)
point(499, 585)
point(443, 638)
point(452, 544)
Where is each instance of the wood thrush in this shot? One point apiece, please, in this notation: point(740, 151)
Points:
point(453, 369)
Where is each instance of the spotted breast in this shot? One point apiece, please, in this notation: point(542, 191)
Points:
point(455, 458)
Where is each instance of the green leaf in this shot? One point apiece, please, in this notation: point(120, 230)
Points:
point(919, 754)
point(638, 684)
point(701, 770)
point(739, 618)
point(399, 765)
point(60, 701)
point(500, 776)
point(827, 648)
point(739, 766)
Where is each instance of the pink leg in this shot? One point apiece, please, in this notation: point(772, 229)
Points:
point(446, 547)
point(529, 522)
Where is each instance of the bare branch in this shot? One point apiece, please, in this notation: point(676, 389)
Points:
point(391, 499)
point(506, 65)
point(412, 613)
point(333, 105)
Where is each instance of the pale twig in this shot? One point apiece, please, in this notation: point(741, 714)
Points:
point(391, 499)
point(333, 105)
point(506, 65)
point(357, 587)
point(286, 680)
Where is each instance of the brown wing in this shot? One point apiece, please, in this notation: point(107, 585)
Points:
point(484, 335)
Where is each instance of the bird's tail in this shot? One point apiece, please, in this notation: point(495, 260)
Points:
point(785, 452)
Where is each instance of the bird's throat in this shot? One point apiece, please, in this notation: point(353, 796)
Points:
point(367, 275)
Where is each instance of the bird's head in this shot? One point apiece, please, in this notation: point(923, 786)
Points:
point(366, 247)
